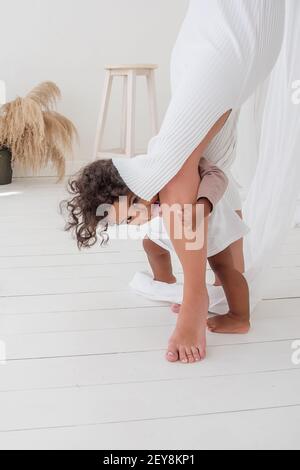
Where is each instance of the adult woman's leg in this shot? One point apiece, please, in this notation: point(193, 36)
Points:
point(188, 343)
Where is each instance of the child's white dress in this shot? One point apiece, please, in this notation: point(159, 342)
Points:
point(225, 227)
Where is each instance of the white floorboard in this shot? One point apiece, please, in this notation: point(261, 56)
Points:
point(82, 371)
point(271, 429)
point(103, 319)
point(85, 357)
point(117, 340)
point(137, 401)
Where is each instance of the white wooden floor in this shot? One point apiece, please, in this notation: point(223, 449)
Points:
point(86, 364)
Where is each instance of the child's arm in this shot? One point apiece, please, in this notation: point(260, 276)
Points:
point(214, 182)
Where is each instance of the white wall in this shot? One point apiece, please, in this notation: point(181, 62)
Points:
point(70, 42)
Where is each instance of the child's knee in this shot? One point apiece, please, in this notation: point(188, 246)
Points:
point(152, 248)
point(219, 266)
point(220, 270)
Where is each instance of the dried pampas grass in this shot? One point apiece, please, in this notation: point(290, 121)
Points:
point(45, 95)
point(36, 134)
point(59, 135)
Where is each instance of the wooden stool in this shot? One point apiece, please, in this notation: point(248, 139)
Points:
point(129, 73)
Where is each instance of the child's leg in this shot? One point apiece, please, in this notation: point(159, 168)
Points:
point(160, 262)
point(237, 250)
point(237, 294)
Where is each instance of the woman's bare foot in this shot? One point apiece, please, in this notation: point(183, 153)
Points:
point(188, 342)
point(229, 324)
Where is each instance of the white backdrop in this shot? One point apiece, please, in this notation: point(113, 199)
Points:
point(272, 199)
point(70, 41)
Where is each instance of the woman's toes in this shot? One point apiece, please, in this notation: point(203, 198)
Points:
point(202, 352)
point(190, 355)
point(172, 354)
point(182, 355)
point(196, 354)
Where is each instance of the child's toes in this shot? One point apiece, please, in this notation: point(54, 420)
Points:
point(211, 325)
point(175, 308)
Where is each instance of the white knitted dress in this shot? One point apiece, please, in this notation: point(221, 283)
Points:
point(224, 50)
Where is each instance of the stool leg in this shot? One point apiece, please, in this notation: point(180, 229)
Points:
point(103, 114)
point(131, 103)
point(124, 116)
point(153, 102)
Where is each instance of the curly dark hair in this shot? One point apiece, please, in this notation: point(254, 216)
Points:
point(99, 183)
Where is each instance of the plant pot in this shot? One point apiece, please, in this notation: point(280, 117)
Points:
point(5, 167)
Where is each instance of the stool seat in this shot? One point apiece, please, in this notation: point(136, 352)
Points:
point(132, 67)
point(129, 74)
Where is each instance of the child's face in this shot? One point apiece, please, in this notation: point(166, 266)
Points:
point(132, 211)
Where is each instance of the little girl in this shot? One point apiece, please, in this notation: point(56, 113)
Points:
point(226, 230)
point(100, 184)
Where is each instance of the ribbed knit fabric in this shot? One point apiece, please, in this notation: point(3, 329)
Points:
point(224, 50)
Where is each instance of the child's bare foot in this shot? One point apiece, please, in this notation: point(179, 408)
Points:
point(176, 308)
point(188, 343)
point(229, 324)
